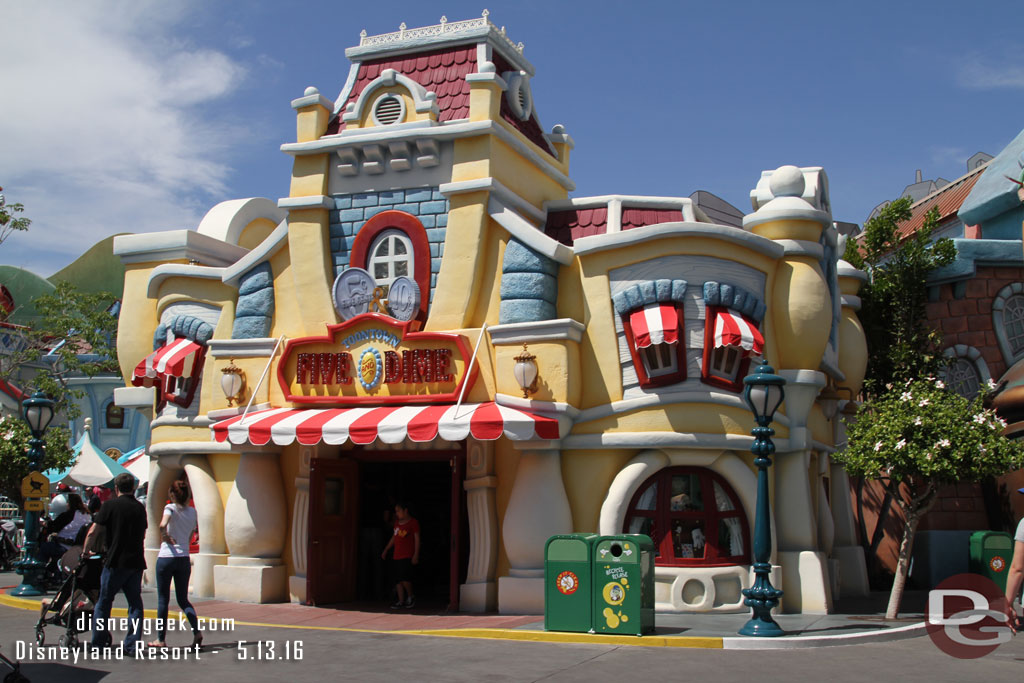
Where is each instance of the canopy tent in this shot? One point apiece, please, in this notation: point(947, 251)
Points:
point(130, 455)
point(139, 467)
point(92, 467)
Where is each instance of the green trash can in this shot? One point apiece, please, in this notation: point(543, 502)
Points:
point(991, 552)
point(624, 584)
point(567, 583)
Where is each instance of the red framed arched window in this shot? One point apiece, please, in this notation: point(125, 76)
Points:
point(376, 243)
point(693, 516)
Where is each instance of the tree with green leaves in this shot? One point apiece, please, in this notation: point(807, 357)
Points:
point(14, 447)
point(916, 436)
point(901, 345)
point(74, 336)
point(10, 221)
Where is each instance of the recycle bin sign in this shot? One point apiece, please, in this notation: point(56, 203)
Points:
point(623, 576)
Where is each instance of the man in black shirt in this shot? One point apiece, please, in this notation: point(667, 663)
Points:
point(123, 519)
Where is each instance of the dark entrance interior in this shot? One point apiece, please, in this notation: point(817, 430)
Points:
point(352, 502)
point(426, 487)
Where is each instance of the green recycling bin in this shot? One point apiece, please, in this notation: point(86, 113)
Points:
point(623, 584)
point(991, 552)
point(567, 584)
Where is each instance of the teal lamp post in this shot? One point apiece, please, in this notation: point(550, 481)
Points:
point(38, 413)
point(763, 395)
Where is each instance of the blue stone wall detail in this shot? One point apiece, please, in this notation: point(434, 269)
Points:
point(649, 292)
point(353, 210)
point(529, 285)
point(255, 309)
point(734, 297)
point(185, 326)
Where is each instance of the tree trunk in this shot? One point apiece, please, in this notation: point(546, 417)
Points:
point(899, 581)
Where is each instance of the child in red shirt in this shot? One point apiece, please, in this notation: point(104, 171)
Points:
point(406, 541)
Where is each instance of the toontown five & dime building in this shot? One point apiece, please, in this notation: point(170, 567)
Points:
point(427, 316)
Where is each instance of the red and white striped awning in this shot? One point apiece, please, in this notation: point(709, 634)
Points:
point(732, 329)
point(654, 324)
point(391, 424)
point(176, 359)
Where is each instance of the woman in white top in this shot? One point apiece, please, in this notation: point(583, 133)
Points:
point(172, 564)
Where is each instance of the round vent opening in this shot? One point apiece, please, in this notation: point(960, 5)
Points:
point(388, 110)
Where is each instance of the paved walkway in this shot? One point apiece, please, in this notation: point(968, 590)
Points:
point(857, 621)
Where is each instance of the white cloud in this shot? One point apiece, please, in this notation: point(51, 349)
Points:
point(986, 73)
point(105, 124)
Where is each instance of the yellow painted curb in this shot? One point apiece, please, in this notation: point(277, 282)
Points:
point(559, 637)
point(486, 633)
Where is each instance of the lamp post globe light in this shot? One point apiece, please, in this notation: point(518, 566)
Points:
point(763, 395)
point(38, 413)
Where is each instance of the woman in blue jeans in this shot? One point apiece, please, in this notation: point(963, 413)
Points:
point(172, 564)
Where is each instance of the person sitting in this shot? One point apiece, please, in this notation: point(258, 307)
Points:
point(63, 531)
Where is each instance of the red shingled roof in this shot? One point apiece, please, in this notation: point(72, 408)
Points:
point(569, 226)
point(638, 218)
point(442, 72)
point(947, 200)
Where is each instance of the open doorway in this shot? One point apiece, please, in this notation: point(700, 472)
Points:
point(430, 483)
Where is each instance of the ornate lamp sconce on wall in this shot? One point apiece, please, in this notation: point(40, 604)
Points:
point(232, 383)
point(525, 371)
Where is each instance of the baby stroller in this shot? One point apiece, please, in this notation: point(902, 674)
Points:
point(71, 608)
point(9, 550)
point(15, 675)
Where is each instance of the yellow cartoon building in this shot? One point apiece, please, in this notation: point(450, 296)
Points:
point(427, 316)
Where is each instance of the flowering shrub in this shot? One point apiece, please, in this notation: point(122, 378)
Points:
point(916, 437)
point(14, 447)
point(922, 432)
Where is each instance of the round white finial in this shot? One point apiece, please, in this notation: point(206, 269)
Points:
point(88, 424)
point(787, 181)
point(558, 129)
point(485, 14)
point(311, 91)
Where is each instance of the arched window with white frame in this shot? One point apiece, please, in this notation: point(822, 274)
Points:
point(391, 256)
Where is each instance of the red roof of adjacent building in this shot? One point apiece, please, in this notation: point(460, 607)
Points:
point(638, 218)
point(947, 200)
point(569, 225)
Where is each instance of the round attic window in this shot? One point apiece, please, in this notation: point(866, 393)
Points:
point(388, 109)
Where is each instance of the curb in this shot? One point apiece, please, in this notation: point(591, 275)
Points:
point(523, 635)
point(884, 635)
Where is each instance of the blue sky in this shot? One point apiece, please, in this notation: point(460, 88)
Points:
point(139, 116)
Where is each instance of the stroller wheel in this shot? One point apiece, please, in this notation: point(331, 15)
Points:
point(40, 636)
point(73, 641)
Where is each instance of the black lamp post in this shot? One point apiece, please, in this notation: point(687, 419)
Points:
point(38, 413)
point(764, 395)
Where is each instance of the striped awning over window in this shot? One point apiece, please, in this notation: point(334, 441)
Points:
point(733, 329)
point(655, 324)
point(176, 359)
point(390, 424)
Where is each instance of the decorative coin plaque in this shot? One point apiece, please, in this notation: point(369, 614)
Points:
point(404, 298)
point(354, 290)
